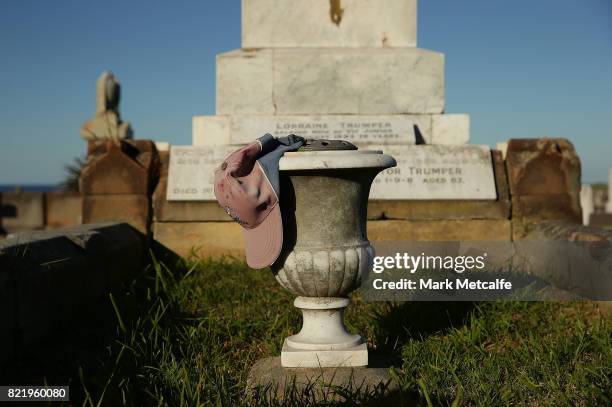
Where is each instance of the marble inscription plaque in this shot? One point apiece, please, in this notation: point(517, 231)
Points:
point(191, 172)
point(385, 129)
point(436, 172)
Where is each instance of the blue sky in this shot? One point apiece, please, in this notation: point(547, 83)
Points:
point(520, 68)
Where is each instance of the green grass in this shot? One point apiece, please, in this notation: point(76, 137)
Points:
point(189, 336)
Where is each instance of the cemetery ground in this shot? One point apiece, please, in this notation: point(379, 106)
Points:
point(188, 335)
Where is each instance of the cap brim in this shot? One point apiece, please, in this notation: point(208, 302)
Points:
point(263, 244)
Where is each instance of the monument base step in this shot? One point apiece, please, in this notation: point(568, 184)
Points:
point(269, 379)
point(217, 239)
point(446, 129)
point(350, 357)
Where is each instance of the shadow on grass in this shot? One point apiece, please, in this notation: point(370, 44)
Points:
point(81, 342)
point(390, 325)
point(141, 344)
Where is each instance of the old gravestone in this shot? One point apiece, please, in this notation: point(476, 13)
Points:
point(423, 173)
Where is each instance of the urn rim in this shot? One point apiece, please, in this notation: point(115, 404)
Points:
point(335, 159)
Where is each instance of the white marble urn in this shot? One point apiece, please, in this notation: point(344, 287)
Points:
point(324, 197)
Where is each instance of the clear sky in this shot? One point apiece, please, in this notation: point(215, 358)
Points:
point(520, 68)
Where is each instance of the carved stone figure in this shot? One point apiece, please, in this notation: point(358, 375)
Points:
point(107, 123)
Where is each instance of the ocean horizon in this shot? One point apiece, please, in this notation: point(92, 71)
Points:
point(29, 187)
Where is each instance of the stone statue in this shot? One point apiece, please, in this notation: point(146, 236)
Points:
point(107, 123)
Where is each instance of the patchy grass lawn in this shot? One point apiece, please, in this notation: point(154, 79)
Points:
point(190, 337)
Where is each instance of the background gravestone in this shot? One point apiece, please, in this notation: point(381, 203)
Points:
point(544, 181)
point(118, 182)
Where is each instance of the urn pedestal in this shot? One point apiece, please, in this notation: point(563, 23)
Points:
point(324, 197)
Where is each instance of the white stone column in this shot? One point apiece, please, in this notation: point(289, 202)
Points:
point(586, 203)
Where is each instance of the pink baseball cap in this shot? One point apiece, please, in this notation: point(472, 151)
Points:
point(247, 187)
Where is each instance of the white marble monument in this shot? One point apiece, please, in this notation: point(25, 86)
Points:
point(345, 70)
point(586, 203)
point(309, 63)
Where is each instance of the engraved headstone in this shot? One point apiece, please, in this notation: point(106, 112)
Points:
point(107, 124)
point(191, 172)
point(422, 173)
point(360, 130)
point(436, 173)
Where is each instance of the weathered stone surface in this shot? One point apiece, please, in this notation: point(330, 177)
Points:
point(225, 238)
point(181, 211)
point(214, 131)
point(143, 151)
point(188, 211)
point(459, 209)
point(214, 239)
point(245, 82)
point(450, 129)
point(544, 180)
point(120, 168)
point(107, 123)
point(133, 209)
point(306, 358)
point(439, 230)
point(22, 211)
point(289, 81)
point(529, 210)
point(570, 232)
point(436, 172)
point(321, 23)
point(571, 256)
point(316, 384)
point(191, 171)
point(547, 207)
point(601, 220)
point(542, 167)
point(63, 209)
point(423, 173)
point(360, 130)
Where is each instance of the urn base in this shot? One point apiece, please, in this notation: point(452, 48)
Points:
point(323, 340)
point(349, 357)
